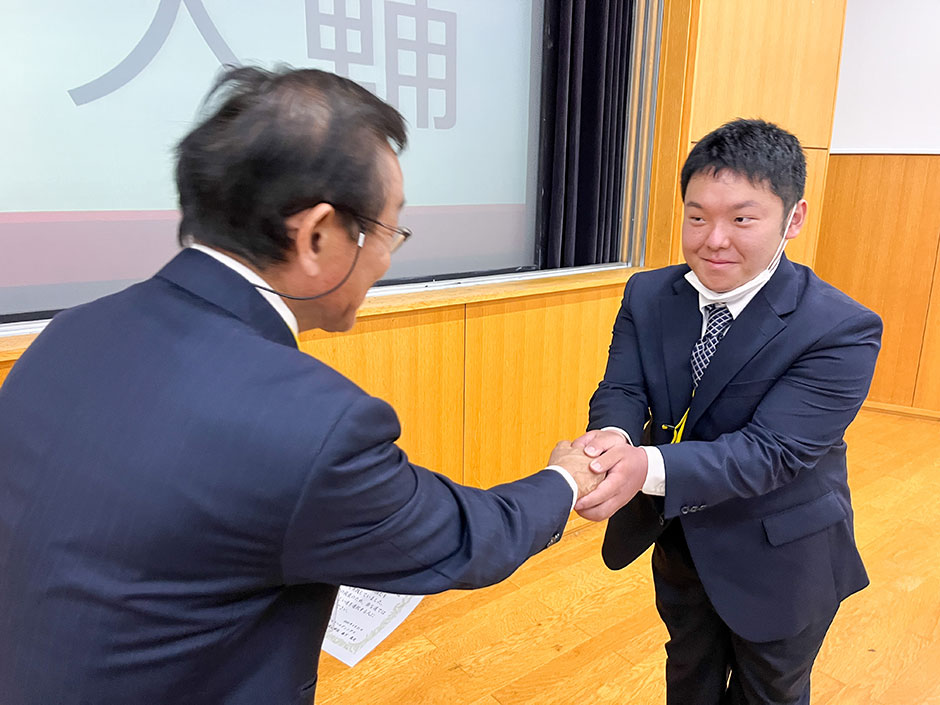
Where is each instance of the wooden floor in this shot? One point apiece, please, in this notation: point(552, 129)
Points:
point(564, 630)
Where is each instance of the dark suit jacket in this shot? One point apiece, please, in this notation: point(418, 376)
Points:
point(181, 491)
point(759, 479)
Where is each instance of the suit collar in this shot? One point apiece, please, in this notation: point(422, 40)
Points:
point(680, 322)
point(783, 290)
point(255, 280)
point(760, 322)
point(212, 281)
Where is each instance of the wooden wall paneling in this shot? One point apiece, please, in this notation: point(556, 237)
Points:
point(802, 249)
point(11, 348)
point(879, 238)
point(899, 410)
point(675, 254)
point(927, 388)
point(774, 59)
point(671, 133)
point(5, 368)
point(532, 365)
point(415, 362)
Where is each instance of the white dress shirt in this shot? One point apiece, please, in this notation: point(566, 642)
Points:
point(284, 312)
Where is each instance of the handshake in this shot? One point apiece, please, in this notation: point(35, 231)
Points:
point(607, 469)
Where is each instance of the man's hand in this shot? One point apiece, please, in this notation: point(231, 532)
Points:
point(597, 442)
point(576, 463)
point(625, 468)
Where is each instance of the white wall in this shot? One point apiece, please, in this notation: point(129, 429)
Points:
point(888, 101)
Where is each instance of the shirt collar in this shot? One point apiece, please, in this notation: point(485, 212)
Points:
point(736, 300)
point(277, 303)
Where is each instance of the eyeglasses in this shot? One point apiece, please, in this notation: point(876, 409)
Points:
point(400, 235)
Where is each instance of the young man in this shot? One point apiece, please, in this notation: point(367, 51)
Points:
point(745, 370)
point(181, 489)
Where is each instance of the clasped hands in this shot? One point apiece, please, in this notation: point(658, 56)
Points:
point(607, 469)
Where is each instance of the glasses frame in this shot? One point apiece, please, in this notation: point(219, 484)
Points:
point(401, 234)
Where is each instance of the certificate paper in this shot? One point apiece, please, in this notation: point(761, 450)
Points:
point(362, 619)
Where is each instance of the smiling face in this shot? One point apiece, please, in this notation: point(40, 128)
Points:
point(732, 228)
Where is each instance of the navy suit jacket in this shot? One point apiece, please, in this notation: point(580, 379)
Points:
point(759, 479)
point(181, 491)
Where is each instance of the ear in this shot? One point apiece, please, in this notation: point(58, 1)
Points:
point(798, 220)
point(311, 228)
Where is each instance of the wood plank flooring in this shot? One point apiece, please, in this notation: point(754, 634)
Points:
point(564, 630)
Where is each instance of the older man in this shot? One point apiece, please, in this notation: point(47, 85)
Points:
point(181, 489)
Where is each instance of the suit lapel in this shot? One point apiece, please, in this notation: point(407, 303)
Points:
point(681, 324)
point(759, 323)
point(221, 286)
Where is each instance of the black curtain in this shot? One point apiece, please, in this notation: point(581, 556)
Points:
point(585, 72)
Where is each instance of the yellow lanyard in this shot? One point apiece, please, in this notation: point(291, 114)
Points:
point(679, 428)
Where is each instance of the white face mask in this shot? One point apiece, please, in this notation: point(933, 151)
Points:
point(714, 297)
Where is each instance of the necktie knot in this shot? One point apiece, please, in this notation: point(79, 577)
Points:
point(717, 320)
point(718, 317)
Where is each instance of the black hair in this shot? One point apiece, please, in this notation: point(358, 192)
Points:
point(279, 142)
point(756, 149)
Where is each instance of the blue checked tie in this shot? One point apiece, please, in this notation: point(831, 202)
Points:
point(718, 318)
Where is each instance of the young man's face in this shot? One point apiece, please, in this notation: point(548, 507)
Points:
point(731, 228)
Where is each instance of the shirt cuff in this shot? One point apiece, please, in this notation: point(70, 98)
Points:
point(656, 472)
point(620, 431)
point(570, 480)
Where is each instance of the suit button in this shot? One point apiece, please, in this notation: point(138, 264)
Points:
point(556, 537)
point(684, 509)
point(662, 520)
point(693, 508)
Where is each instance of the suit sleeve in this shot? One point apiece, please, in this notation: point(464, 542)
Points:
point(368, 518)
point(802, 417)
point(620, 399)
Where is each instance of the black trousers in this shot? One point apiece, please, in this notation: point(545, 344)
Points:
point(707, 663)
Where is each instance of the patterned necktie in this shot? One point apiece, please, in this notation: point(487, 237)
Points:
point(718, 319)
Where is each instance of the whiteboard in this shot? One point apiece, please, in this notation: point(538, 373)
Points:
point(888, 100)
point(99, 92)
